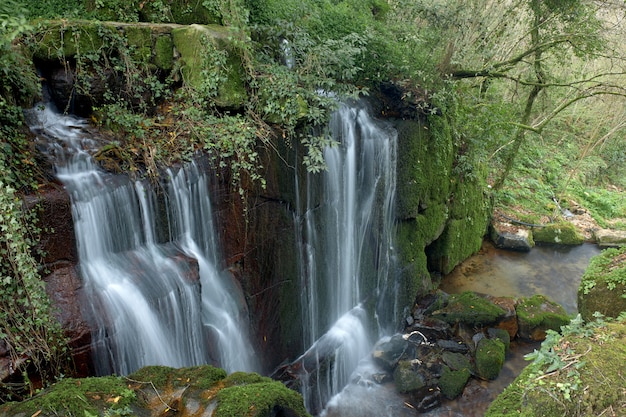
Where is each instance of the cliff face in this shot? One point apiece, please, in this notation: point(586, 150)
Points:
point(441, 213)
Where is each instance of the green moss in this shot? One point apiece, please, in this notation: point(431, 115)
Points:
point(423, 169)
point(537, 314)
point(140, 40)
point(469, 308)
point(258, 400)
point(560, 233)
point(67, 39)
point(200, 70)
point(163, 377)
point(452, 382)
point(164, 52)
point(603, 285)
point(593, 385)
point(76, 398)
point(490, 355)
point(243, 378)
point(407, 378)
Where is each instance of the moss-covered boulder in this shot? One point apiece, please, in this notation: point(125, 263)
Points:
point(76, 397)
point(452, 382)
point(160, 390)
point(537, 314)
point(603, 285)
point(469, 308)
point(211, 63)
point(572, 376)
point(490, 355)
point(563, 233)
point(407, 376)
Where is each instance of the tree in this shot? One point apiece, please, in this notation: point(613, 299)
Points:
point(529, 44)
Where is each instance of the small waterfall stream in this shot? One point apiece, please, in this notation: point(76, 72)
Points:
point(346, 255)
point(153, 301)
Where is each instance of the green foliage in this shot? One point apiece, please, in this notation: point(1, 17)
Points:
point(27, 327)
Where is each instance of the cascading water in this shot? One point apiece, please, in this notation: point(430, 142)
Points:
point(347, 253)
point(147, 303)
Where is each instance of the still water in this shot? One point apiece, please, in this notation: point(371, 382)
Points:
point(553, 271)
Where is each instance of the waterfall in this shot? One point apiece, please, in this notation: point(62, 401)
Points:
point(157, 296)
point(346, 254)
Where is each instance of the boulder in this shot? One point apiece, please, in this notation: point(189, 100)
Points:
point(490, 355)
point(603, 285)
point(159, 390)
point(563, 233)
point(537, 314)
point(607, 237)
point(452, 382)
point(507, 236)
point(469, 308)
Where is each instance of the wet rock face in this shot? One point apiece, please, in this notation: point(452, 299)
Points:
point(64, 288)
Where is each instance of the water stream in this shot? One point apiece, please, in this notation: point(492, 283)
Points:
point(346, 253)
point(156, 297)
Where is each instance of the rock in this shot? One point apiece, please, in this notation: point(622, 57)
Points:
point(607, 237)
point(537, 314)
point(471, 309)
point(603, 285)
point(65, 290)
point(490, 355)
point(426, 399)
point(509, 321)
point(388, 353)
point(159, 390)
point(456, 361)
point(563, 233)
point(501, 335)
point(452, 382)
point(432, 329)
point(599, 376)
point(407, 376)
point(520, 240)
point(456, 346)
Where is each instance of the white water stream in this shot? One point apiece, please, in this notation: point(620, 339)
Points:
point(347, 252)
point(148, 303)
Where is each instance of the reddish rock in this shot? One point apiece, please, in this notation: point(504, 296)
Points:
point(57, 240)
point(509, 322)
point(64, 288)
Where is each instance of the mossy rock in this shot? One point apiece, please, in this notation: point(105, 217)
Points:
point(196, 43)
point(594, 387)
point(603, 285)
point(469, 308)
point(67, 39)
point(159, 390)
point(501, 335)
point(452, 382)
point(75, 397)
point(260, 399)
point(558, 233)
point(490, 355)
point(537, 314)
point(407, 378)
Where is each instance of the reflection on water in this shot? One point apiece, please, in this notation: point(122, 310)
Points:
point(553, 271)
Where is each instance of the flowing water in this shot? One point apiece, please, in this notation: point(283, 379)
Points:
point(347, 252)
point(157, 297)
